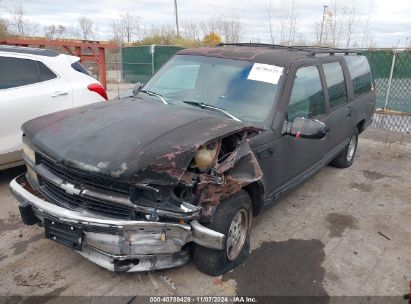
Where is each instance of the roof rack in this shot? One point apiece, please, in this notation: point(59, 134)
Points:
point(313, 50)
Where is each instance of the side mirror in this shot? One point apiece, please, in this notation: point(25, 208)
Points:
point(306, 128)
point(137, 88)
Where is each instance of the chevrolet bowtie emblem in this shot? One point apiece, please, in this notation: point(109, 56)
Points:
point(70, 189)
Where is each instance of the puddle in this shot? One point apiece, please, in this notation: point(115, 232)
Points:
point(289, 268)
point(337, 223)
point(373, 175)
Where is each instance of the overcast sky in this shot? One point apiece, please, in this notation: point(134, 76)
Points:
point(389, 22)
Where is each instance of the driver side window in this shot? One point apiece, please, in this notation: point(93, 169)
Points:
point(307, 98)
point(177, 79)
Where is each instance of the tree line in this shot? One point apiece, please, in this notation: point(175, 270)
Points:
point(125, 29)
point(339, 25)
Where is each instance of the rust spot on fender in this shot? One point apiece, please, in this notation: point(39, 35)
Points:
point(237, 171)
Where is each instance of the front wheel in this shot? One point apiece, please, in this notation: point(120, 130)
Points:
point(232, 218)
point(346, 157)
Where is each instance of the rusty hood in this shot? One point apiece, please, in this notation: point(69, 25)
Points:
point(134, 140)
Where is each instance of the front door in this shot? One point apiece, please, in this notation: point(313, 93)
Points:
point(295, 157)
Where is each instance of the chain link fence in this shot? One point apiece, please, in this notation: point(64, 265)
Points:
point(391, 70)
point(392, 73)
point(141, 62)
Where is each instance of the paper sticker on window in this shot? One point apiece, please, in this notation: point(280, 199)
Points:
point(265, 72)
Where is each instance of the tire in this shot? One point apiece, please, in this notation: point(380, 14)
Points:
point(346, 157)
point(216, 262)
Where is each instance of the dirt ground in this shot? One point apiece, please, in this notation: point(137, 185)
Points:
point(344, 232)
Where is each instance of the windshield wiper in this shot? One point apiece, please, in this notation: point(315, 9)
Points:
point(207, 106)
point(154, 94)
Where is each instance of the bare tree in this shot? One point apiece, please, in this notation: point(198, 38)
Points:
point(287, 20)
point(349, 12)
point(4, 27)
point(229, 29)
point(269, 21)
point(72, 32)
point(292, 20)
point(18, 20)
point(334, 24)
point(232, 31)
point(191, 31)
point(367, 21)
point(283, 21)
point(126, 28)
point(213, 25)
point(86, 28)
point(55, 31)
point(21, 25)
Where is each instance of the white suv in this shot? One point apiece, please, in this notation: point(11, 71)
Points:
point(35, 82)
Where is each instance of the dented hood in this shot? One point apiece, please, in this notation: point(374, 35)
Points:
point(134, 140)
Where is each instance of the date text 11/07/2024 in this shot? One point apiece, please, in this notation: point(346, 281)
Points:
point(203, 299)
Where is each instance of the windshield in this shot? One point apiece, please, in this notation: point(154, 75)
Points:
point(243, 89)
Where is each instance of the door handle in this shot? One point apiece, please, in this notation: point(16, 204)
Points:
point(59, 93)
point(265, 153)
point(349, 112)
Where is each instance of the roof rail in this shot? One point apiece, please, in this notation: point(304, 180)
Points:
point(311, 49)
point(331, 50)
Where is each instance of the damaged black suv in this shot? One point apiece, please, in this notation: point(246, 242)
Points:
point(180, 168)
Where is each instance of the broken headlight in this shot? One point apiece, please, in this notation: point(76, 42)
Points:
point(206, 156)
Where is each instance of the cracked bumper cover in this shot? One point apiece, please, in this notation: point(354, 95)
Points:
point(106, 241)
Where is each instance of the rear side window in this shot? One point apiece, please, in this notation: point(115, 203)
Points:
point(334, 77)
point(307, 98)
point(44, 72)
point(360, 73)
point(77, 66)
point(16, 72)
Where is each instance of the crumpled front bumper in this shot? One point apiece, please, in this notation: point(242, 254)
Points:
point(120, 245)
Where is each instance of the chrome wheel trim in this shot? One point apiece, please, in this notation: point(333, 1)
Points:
point(237, 234)
point(351, 147)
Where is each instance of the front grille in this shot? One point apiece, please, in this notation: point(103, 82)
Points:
point(78, 177)
point(59, 197)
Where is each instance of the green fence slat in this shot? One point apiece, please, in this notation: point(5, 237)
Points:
point(138, 61)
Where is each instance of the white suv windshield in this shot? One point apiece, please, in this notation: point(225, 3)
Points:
point(244, 89)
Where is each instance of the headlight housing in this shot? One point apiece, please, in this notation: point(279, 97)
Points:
point(206, 156)
point(29, 153)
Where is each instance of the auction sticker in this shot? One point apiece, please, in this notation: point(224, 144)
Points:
point(265, 72)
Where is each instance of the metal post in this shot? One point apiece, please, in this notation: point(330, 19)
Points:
point(101, 63)
point(390, 80)
point(152, 51)
point(176, 13)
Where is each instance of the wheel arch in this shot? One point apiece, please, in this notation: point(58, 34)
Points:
point(256, 192)
point(360, 126)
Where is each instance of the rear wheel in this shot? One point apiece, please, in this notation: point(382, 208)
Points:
point(346, 157)
point(232, 218)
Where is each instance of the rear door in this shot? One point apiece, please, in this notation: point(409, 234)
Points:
point(339, 120)
point(28, 89)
